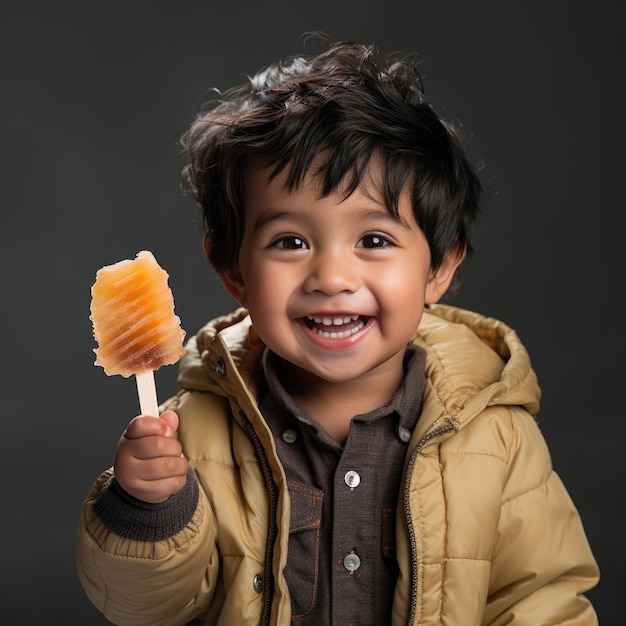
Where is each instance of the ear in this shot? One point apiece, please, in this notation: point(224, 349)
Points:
point(231, 279)
point(440, 280)
point(206, 247)
point(234, 284)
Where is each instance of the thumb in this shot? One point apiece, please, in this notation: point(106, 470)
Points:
point(171, 419)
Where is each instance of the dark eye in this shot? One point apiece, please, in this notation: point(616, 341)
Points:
point(290, 242)
point(373, 240)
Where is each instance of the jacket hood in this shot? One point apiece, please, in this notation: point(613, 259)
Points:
point(472, 361)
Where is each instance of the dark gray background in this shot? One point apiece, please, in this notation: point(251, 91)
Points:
point(94, 97)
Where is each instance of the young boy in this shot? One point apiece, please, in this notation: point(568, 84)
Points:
point(341, 450)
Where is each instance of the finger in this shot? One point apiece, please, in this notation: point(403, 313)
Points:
point(162, 468)
point(152, 479)
point(171, 419)
point(159, 490)
point(146, 426)
point(159, 468)
point(149, 447)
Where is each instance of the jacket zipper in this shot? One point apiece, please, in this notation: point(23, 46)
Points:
point(407, 514)
point(272, 492)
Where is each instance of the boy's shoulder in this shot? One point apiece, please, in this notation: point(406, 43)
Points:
point(227, 340)
point(468, 353)
point(447, 324)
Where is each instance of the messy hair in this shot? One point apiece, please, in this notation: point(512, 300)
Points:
point(330, 114)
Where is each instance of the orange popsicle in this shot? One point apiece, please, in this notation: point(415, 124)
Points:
point(132, 311)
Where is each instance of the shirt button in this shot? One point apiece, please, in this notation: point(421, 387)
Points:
point(257, 583)
point(404, 434)
point(220, 367)
point(352, 562)
point(289, 435)
point(352, 479)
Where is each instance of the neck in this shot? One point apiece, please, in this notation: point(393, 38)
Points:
point(334, 404)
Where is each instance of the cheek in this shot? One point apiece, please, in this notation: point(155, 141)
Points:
point(402, 285)
point(266, 291)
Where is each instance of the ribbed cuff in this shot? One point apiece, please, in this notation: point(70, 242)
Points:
point(131, 518)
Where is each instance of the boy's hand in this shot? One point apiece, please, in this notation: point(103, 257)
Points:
point(148, 461)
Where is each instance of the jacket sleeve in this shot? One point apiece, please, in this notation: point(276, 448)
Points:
point(164, 580)
point(542, 563)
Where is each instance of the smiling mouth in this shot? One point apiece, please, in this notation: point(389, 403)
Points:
point(335, 326)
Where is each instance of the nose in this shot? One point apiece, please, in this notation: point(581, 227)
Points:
point(332, 272)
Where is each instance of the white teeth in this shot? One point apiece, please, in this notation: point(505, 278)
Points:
point(333, 321)
point(340, 334)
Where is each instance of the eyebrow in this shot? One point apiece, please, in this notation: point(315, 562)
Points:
point(267, 217)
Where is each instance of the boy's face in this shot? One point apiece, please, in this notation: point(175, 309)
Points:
point(334, 286)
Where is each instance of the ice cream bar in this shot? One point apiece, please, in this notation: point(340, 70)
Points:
point(132, 311)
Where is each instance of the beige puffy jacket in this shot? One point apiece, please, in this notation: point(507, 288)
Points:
point(486, 532)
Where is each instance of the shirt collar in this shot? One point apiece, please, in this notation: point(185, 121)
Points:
point(406, 403)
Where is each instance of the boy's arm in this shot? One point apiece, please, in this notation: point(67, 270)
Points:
point(136, 581)
point(542, 562)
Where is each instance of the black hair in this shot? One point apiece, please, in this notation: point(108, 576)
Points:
point(334, 111)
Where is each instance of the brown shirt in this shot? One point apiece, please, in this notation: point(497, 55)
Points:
point(341, 565)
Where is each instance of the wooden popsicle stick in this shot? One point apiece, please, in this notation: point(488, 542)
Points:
point(146, 389)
